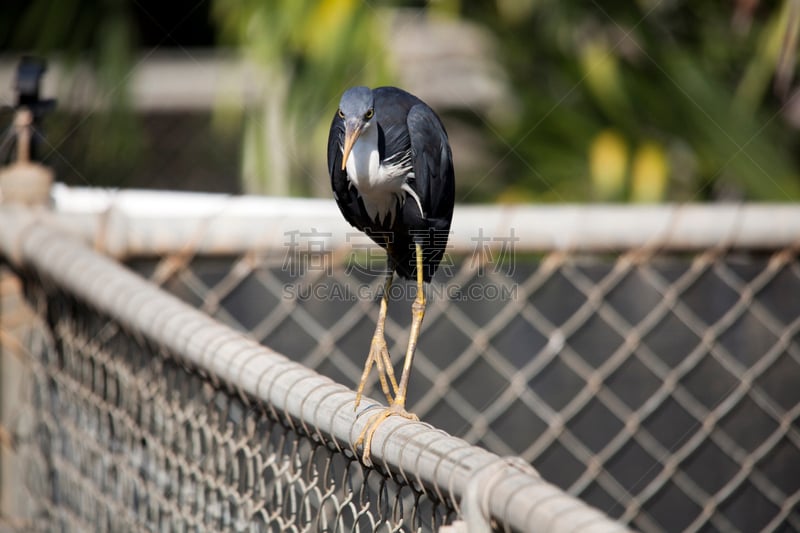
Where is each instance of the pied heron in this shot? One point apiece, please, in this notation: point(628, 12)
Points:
point(392, 177)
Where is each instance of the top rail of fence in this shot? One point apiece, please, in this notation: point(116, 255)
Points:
point(129, 223)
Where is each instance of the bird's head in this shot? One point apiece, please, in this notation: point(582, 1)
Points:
point(356, 109)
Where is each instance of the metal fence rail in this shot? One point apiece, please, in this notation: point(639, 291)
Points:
point(136, 223)
point(148, 413)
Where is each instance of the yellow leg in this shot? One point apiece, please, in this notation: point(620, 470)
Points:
point(379, 352)
point(417, 314)
point(397, 407)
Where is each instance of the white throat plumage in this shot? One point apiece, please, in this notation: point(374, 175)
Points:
point(382, 184)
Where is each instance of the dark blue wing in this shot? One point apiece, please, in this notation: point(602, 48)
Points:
point(392, 106)
point(434, 180)
point(434, 186)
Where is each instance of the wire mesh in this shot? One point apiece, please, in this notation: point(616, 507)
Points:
point(656, 381)
point(131, 438)
point(144, 414)
point(644, 382)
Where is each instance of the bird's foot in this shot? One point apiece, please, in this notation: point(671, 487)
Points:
point(379, 356)
point(365, 439)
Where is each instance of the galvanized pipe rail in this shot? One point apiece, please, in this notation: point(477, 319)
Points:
point(129, 223)
point(482, 484)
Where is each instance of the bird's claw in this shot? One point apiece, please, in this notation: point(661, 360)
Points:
point(365, 438)
point(379, 356)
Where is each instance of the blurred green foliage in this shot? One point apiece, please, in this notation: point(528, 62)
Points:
point(309, 52)
point(676, 96)
point(625, 100)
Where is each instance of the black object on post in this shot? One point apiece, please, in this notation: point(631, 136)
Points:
point(24, 180)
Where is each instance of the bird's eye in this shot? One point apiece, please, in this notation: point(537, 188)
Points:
point(368, 114)
point(341, 115)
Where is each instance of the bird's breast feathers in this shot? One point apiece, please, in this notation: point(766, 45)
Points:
point(382, 184)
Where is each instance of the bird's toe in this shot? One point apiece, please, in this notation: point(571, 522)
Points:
point(375, 420)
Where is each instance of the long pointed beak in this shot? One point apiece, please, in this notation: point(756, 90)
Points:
point(351, 135)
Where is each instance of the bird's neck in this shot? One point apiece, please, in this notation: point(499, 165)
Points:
point(363, 163)
point(381, 184)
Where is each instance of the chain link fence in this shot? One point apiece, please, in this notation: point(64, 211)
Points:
point(645, 362)
point(124, 439)
point(141, 413)
point(643, 383)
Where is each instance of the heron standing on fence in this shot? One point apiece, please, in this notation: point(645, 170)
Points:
point(392, 177)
